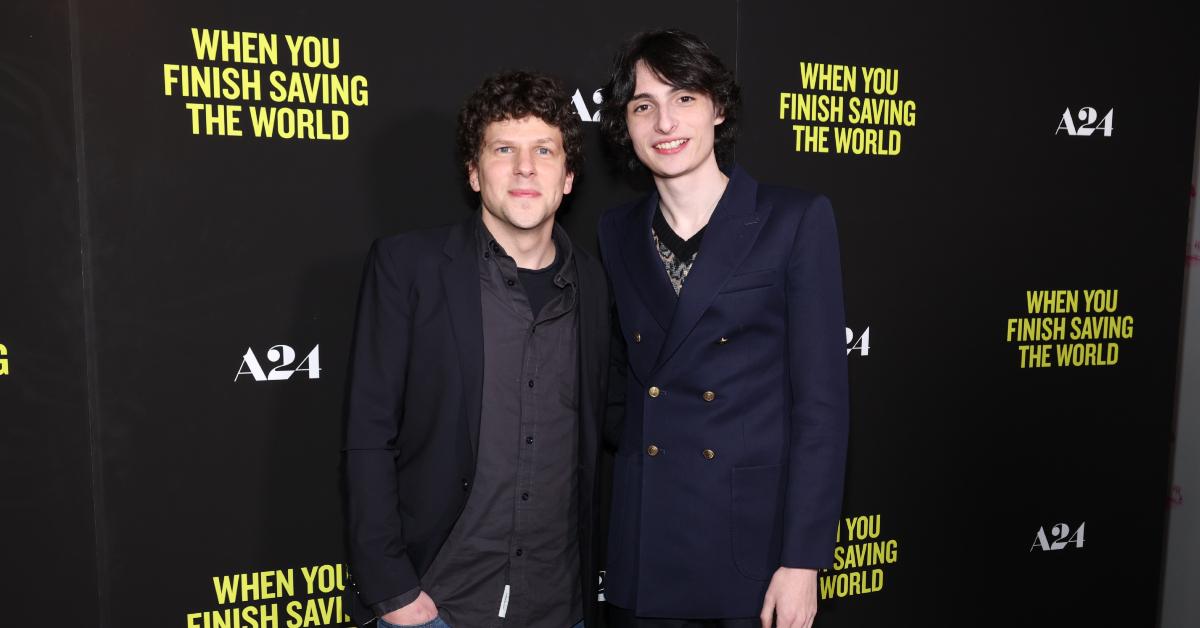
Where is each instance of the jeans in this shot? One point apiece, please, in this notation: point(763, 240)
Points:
point(436, 622)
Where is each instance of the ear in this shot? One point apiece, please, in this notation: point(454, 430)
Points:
point(473, 175)
point(718, 116)
point(568, 182)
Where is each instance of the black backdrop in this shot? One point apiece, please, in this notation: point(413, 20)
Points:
point(149, 274)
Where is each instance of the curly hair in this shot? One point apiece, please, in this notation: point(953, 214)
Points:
point(681, 60)
point(514, 96)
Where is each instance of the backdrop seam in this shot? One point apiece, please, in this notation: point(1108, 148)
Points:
point(89, 325)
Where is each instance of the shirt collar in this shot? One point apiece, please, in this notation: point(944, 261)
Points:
point(489, 248)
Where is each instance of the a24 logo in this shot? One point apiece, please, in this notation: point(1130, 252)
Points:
point(858, 342)
point(284, 356)
point(581, 107)
point(1060, 537)
point(1089, 122)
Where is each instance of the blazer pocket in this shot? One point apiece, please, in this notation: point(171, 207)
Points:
point(749, 281)
point(756, 525)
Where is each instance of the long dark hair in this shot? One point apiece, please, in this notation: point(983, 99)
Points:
point(681, 60)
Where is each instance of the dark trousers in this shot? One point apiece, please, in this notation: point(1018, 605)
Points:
point(622, 618)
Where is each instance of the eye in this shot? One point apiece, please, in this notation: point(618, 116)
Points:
point(504, 150)
point(543, 150)
point(639, 108)
point(687, 98)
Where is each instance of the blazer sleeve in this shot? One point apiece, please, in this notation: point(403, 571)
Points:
point(374, 397)
point(614, 406)
point(819, 412)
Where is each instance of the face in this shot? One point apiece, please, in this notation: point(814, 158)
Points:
point(521, 173)
point(672, 129)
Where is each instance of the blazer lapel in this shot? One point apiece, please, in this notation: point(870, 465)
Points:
point(643, 263)
point(460, 279)
point(728, 239)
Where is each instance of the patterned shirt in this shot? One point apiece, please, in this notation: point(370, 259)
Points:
point(678, 255)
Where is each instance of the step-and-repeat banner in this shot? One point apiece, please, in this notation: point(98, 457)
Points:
point(190, 190)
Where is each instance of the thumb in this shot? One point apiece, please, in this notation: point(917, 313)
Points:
point(767, 616)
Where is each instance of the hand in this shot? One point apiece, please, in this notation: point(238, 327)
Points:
point(791, 599)
point(422, 610)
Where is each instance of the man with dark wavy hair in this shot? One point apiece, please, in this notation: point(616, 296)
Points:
point(728, 478)
point(474, 395)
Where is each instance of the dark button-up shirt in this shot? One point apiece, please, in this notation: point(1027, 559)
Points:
point(512, 558)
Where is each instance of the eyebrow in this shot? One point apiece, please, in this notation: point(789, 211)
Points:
point(674, 90)
point(504, 140)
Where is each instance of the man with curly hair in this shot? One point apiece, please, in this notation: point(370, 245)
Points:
point(727, 484)
point(474, 397)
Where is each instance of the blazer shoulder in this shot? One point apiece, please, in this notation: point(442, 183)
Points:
point(618, 212)
point(588, 266)
point(583, 257)
point(791, 199)
point(612, 227)
point(409, 256)
point(794, 206)
point(411, 247)
point(624, 208)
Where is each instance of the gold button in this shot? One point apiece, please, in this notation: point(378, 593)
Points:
point(722, 340)
point(652, 450)
point(708, 454)
point(709, 395)
point(637, 336)
point(654, 391)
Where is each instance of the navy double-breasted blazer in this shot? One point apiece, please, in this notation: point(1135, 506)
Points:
point(732, 454)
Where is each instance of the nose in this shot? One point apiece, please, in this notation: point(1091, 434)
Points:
point(665, 121)
point(523, 164)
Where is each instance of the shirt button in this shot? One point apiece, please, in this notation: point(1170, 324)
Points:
point(510, 282)
point(708, 454)
point(524, 497)
point(652, 450)
point(709, 395)
point(520, 551)
point(722, 340)
point(637, 336)
point(528, 440)
point(655, 391)
point(466, 485)
point(531, 386)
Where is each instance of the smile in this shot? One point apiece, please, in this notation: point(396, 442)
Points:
point(524, 193)
point(670, 146)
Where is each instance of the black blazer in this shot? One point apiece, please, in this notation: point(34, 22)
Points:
point(413, 408)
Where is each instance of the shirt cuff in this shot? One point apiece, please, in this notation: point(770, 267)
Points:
point(394, 603)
